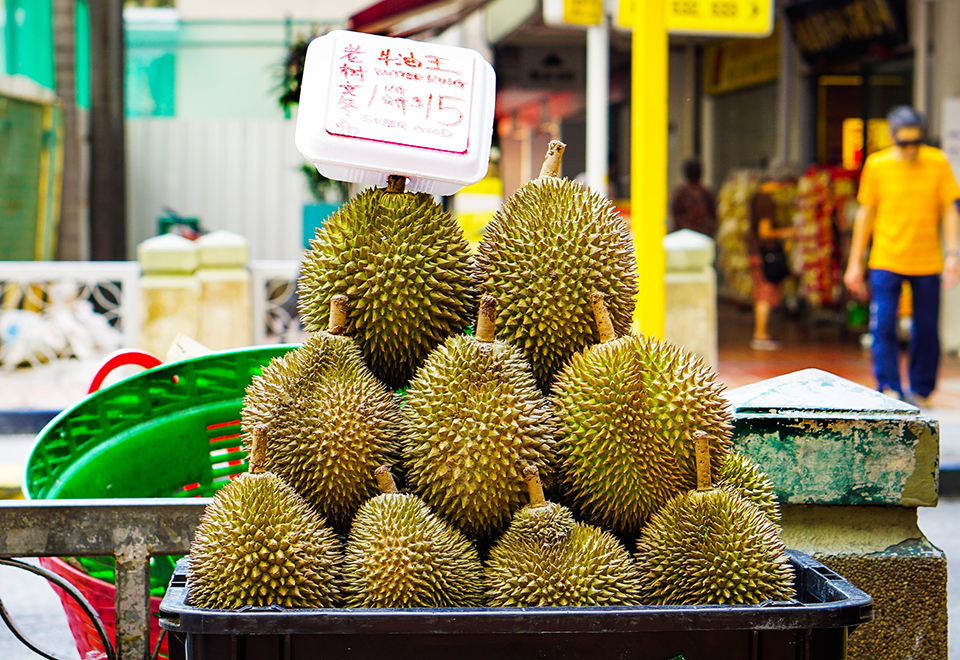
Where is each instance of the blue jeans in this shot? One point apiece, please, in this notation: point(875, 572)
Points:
point(924, 347)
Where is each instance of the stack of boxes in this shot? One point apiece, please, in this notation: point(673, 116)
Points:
point(199, 288)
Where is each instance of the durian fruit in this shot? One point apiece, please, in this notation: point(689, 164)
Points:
point(329, 421)
point(547, 248)
point(628, 410)
point(712, 546)
point(405, 265)
point(744, 476)
point(259, 543)
point(400, 554)
point(546, 558)
point(472, 418)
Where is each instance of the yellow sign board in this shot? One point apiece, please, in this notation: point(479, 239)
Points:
point(572, 12)
point(878, 137)
point(748, 18)
point(733, 64)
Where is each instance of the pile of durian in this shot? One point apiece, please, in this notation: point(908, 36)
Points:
point(518, 379)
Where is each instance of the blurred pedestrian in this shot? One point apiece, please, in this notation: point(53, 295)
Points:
point(908, 210)
point(768, 260)
point(693, 206)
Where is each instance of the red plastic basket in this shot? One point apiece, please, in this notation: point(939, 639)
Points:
point(102, 596)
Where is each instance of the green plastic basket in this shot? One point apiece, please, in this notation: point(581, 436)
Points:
point(171, 431)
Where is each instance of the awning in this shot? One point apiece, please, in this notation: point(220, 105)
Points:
point(418, 19)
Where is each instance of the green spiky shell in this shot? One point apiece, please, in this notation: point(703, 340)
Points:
point(259, 543)
point(405, 266)
point(550, 245)
point(546, 558)
point(472, 420)
point(628, 410)
point(328, 422)
point(744, 476)
point(400, 554)
point(712, 547)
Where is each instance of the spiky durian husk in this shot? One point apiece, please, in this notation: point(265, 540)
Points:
point(259, 543)
point(546, 558)
point(628, 410)
point(328, 422)
point(400, 554)
point(712, 547)
point(744, 476)
point(550, 245)
point(406, 268)
point(472, 420)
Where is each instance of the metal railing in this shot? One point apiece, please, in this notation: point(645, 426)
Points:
point(129, 530)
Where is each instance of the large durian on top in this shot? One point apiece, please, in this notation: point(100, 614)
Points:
point(406, 267)
point(629, 409)
point(712, 546)
point(328, 420)
point(472, 419)
point(547, 248)
point(546, 558)
point(258, 543)
point(400, 554)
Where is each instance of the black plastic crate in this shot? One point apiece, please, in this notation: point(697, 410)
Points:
point(813, 627)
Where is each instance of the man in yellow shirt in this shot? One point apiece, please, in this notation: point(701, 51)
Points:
point(908, 198)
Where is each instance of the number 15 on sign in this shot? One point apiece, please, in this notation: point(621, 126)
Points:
point(747, 18)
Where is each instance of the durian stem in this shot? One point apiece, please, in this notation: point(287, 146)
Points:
point(704, 481)
point(602, 317)
point(258, 449)
point(532, 476)
point(396, 184)
point(487, 319)
point(551, 163)
point(385, 481)
point(337, 324)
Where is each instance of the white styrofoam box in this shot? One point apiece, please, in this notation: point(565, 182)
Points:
point(168, 253)
point(372, 106)
point(223, 249)
point(688, 250)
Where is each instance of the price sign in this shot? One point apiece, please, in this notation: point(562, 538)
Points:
point(411, 96)
point(748, 18)
point(373, 106)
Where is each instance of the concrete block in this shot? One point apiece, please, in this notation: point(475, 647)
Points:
point(170, 306)
point(825, 440)
point(690, 318)
point(882, 551)
point(225, 315)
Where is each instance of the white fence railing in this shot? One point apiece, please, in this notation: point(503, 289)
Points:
point(111, 290)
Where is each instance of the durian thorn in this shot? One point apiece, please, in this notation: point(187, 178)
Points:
point(551, 163)
point(337, 324)
point(601, 315)
point(532, 476)
point(258, 449)
point(487, 319)
point(385, 481)
point(703, 460)
point(396, 184)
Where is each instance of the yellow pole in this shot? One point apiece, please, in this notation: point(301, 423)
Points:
point(648, 161)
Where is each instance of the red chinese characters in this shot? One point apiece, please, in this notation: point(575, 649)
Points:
point(406, 96)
